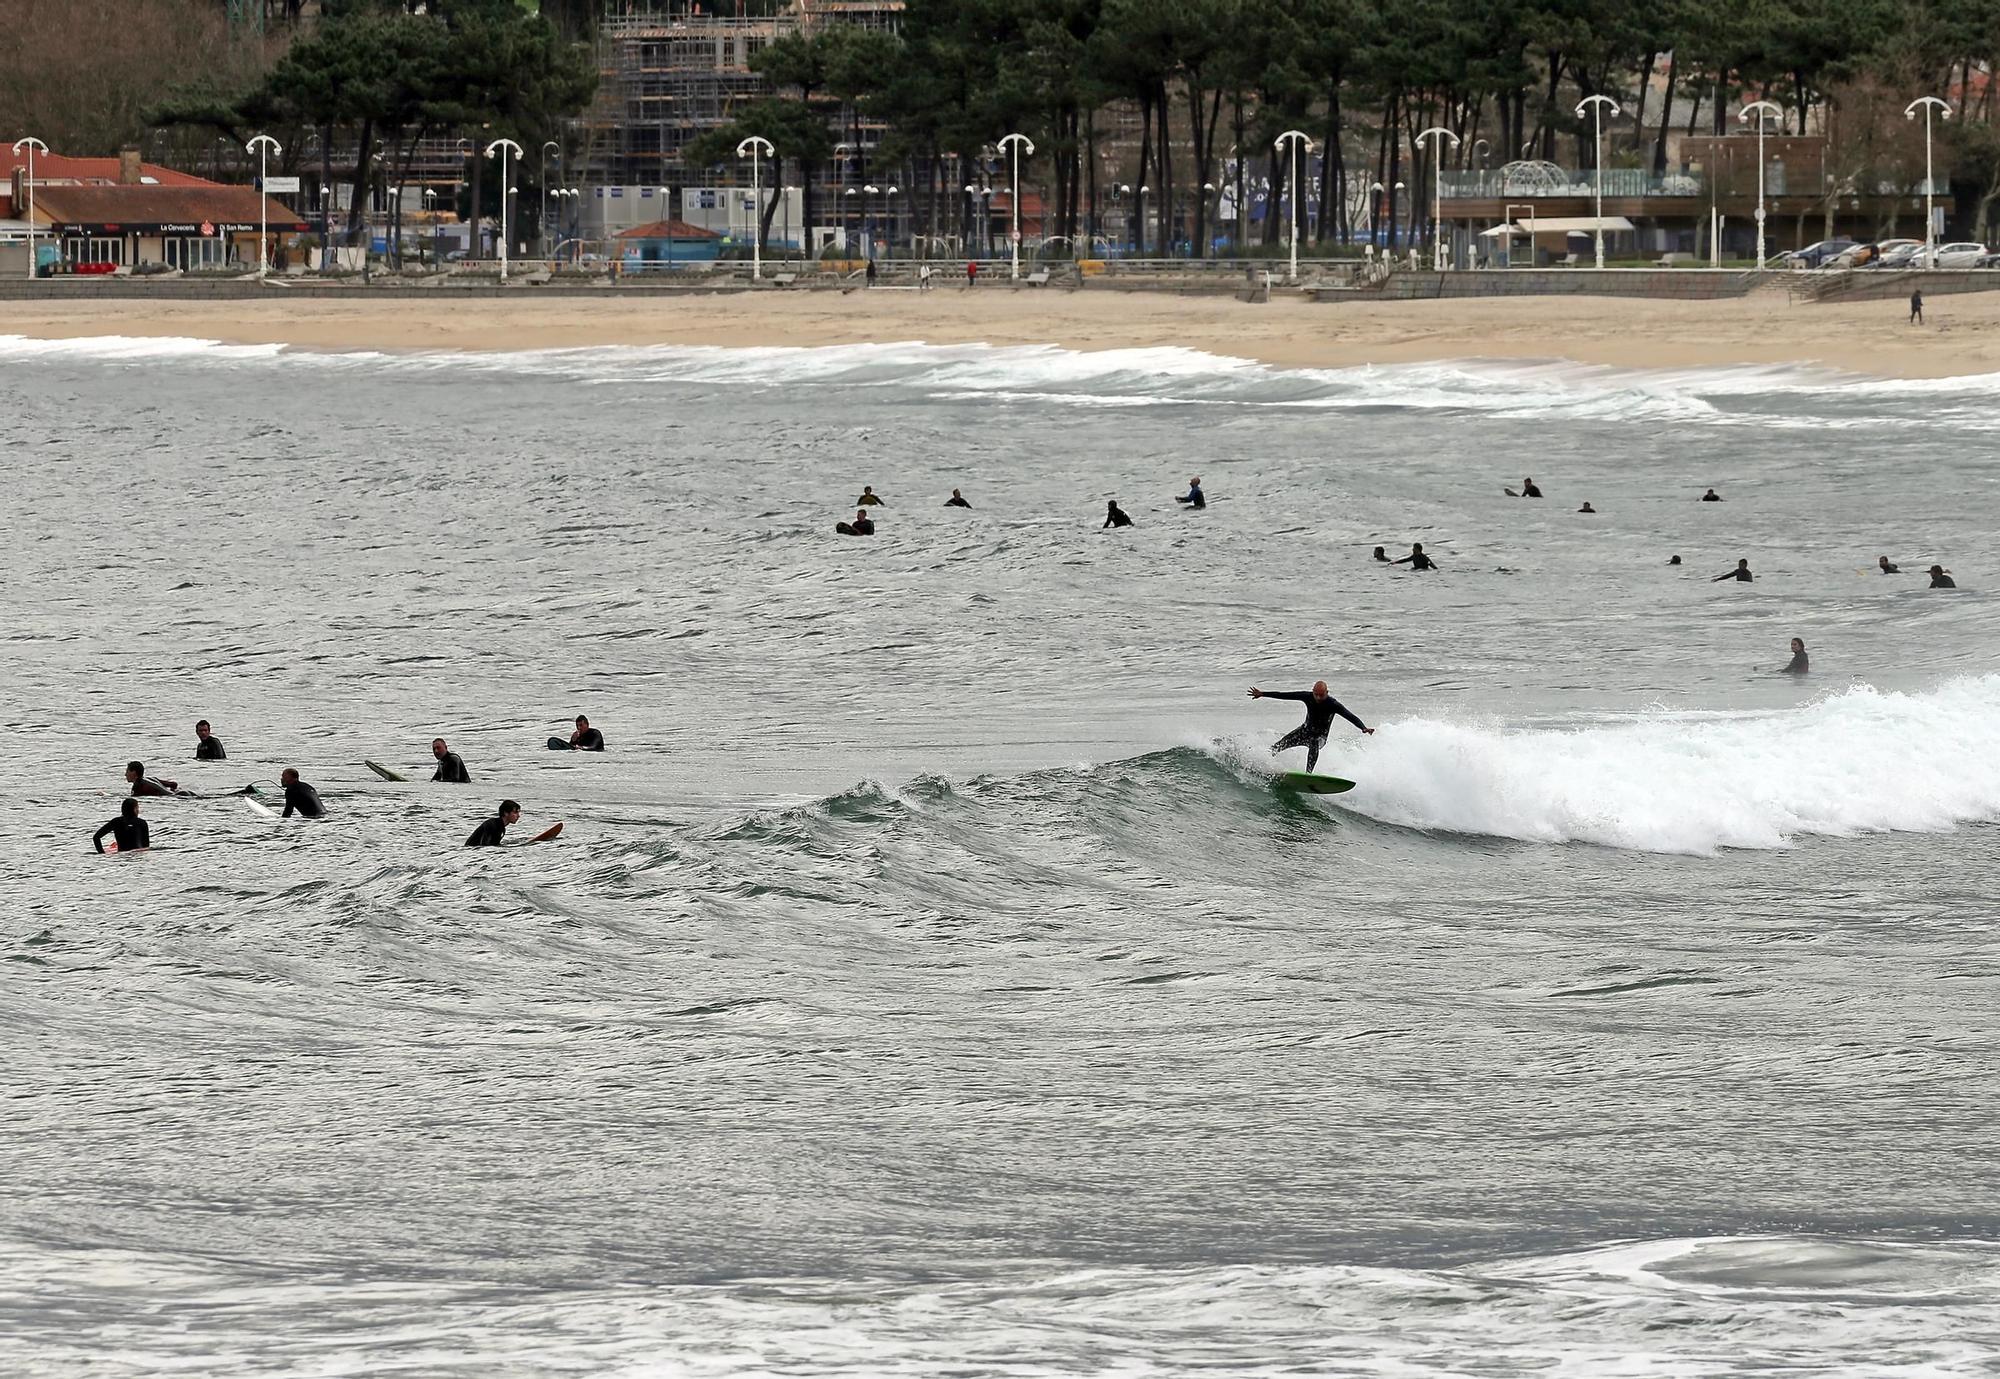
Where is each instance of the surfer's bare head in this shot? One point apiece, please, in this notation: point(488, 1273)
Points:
point(1319, 689)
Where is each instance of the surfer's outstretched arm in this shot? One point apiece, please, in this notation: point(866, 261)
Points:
point(1347, 714)
point(1296, 696)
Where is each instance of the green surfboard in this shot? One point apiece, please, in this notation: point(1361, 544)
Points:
point(1314, 785)
point(384, 772)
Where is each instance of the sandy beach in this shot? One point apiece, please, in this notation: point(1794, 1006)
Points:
point(1961, 336)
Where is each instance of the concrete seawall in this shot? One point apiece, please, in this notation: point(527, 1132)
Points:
point(1662, 284)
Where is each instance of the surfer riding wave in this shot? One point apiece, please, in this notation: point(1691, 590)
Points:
point(1320, 710)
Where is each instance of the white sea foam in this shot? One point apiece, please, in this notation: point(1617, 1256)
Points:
point(1161, 374)
point(1865, 761)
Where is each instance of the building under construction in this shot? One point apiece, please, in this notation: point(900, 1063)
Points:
point(671, 71)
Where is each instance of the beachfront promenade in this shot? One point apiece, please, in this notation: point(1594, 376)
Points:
point(1321, 281)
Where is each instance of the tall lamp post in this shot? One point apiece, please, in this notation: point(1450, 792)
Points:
point(1760, 109)
point(758, 147)
point(1437, 133)
point(31, 144)
point(1596, 105)
point(1297, 139)
point(1014, 143)
point(1910, 111)
point(501, 148)
point(263, 146)
point(547, 144)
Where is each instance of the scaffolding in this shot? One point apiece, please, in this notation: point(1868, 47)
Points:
point(669, 73)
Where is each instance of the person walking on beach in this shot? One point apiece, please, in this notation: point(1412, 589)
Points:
point(1741, 572)
point(871, 270)
point(1917, 307)
point(1114, 516)
point(1798, 665)
point(128, 831)
point(971, 273)
point(1320, 710)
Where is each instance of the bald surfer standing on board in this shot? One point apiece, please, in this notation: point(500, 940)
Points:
point(1320, 709)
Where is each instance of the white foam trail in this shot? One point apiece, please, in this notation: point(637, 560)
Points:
point(1864, 761)
point(128, 347)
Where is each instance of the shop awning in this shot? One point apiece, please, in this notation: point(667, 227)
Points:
point(1564, 224)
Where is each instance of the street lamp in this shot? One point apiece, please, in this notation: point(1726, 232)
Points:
point(889, 214)
point(758, 146)
point(547, 144)
point(501, 148)
point(1434, 134)
point(1596, 105)
point(868, 193)
point(1759, 109)
point(1294, 138)
point(263, 146)
point(325, 228)
point(31, 144)
point(1017, 142)
point(1910, 112)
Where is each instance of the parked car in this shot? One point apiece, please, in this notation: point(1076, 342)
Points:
point(1813, 255)
point(1961, 255)
point(1898, 253)
point(1860, 256)
point(1988, 261)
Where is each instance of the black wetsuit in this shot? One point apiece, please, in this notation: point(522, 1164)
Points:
point(130, 834)
point(1943, 582)
point(1530, 491)
point(867, 500)
point(210, 749)
point(1416, 560)
point(1797, 665)
point(451, 770)
point(1193, 497)
point(1711, 497)
point(490, 834)
point(1115, 517)
point(862, 526)
point(1741, 574)
point(1891, 569)
point(1311, 734)
point(591, 741)
point(147, 786)
point(304, 800)
point(956, 502)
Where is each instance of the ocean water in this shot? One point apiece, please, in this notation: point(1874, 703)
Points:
point(930, 979)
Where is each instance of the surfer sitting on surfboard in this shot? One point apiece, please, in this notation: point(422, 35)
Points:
point(451, 767)
point(493, 832)
point(128, 831)
point(300, 798)
point(1320, 709)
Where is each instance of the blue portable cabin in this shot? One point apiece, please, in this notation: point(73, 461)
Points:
point(666, 244)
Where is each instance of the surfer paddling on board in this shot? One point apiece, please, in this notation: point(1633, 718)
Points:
point(143, 784)
point(1320, 709)
point(493, 832)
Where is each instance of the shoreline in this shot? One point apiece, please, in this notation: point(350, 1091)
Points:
point(1861, 339)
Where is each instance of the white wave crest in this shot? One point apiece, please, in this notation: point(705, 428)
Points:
point(1865, 761)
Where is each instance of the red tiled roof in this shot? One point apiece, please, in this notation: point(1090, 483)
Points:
point(142, 205)
point(55, 167)
point(667, 229)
